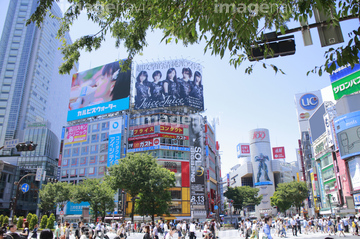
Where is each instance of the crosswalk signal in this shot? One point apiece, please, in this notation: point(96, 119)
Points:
point(29, 146)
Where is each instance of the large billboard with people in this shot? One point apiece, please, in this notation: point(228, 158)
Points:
point(100, 90)
point(168, 84)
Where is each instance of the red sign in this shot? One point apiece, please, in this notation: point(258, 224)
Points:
point(278, 152)
point(245, 149)
point(141, 143)
point(156, 141)
point(146, 130)
point(62, 213)
point(60, 160)
point(259, 135)
point(315, 177)
point(169, 129)
point(169, 136)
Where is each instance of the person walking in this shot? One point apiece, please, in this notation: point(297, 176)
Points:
point(192, 230)
point(34, 232)
point(340, 227)
point(266, 228)
point(298, 224)
point(293, 226)
point(147, 233)
point(67, 231)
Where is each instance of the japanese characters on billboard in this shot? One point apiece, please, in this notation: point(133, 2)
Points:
point(98, 91)
point(306, 104)
point(168, 136)
point(169, 83)
point(243, 150)
point(144, 130)
point(114, 147)
point(197, 169)
point(278, 152)
point(144, 143)
point(170, 129)
point(347, 128)
point(76, 134)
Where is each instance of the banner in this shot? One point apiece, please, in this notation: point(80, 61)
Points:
point(243, 150)
point(76, 134)
point(278, 152)
point(168, 136)
point(169, 83)
point(347, 85)
point(170, 129)
point(98, 91)
point(197, 169)
point(114, 145)
point(146, 130)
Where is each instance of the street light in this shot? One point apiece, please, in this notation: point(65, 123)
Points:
point(327, 189)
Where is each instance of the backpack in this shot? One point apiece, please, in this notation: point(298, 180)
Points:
point(330, 223)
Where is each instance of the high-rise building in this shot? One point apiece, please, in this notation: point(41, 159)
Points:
point(31, 88)
point(33, 95)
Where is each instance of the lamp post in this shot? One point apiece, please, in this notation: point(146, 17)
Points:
point(327, 189)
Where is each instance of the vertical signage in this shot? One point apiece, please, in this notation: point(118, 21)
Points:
point(114, 146)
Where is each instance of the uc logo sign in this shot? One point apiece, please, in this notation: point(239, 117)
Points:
point(309, 101)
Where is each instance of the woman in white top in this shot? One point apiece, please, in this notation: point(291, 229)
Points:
point(121, 232)
point(166, 227)
point(206, 230)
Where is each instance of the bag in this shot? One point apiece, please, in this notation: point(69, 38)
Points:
point(62, 236)
point(353, 224)
point(329, 223)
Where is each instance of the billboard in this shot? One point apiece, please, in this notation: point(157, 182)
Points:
point(114, 145)
point(76, 134)
point(243, 150)
point(98, 91)
point(347, 128)
point(347, 85)
point(197, 169)
point(170, 129)
point(354, 171)
point(278, 152)
point(144, 130)
point(144, 143)
point(169, 83)
point(307, 103)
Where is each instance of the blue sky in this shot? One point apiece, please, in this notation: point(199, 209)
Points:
point(241, 102)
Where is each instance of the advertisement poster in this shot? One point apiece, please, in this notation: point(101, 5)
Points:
point(76, 134)
point(98, 91)
point(114, 146)
point(170, 129)
point(278, 152)
point(197, 169)
point(169, 83)
point(347, 128)
point(346, 86)
point(243, 150)
point(307, 104)
point(141, 131)
point(354, 171)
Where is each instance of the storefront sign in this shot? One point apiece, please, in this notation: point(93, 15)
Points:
point(170, 129)
point(146, 130)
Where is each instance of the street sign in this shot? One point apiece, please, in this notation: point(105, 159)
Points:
point(39, 174)
point(216, 207)
point(62, 213)
point(25, 187)
point(9, 144)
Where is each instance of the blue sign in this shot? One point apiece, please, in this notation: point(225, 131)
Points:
point(238, 150)
point(207, 150)
point(309, 101)
point(357, 199)
point(99, 109)
point(114, 149)
point(216, 207)
point(263, 183)
point(25, 187)
point(75, 209)
point(159, 147)
point(341, 72)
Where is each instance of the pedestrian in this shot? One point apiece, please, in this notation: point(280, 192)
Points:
point(171, 232)
point(67, 231)
point(58, 230)
point(266, 228)
point(192, 230)
point(77, 230)
point(147, 233)
point(12, 231)
point(25, 233)
point(293, 226)
point(340, 227)
point(247, 228)
point(34, 232)
point(46, 234)
point(298, 224)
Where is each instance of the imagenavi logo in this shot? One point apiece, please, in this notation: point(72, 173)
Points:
point(309, 101)
point(115, 125)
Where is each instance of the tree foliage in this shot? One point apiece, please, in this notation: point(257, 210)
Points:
point(15, 220)
point(5, 220)
point(155, 199)
point(97, 193)
point(34, 220)
point(225, 26)
point(289, 194)
point(20, 222)
point(50, 221)
point(243, 196)
point(43, 221)
point(1, 219)
point(135, 173)
point(53, 194)
point(28, 218)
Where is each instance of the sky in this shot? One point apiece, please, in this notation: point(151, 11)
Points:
point(240, 101)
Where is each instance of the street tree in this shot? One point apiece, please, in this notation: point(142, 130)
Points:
point(132, 174)
point(224, 26)
point(43, 222)
point(243, 196)
point(155, 199)
point(20, 222)
point(50, 222)
point(53, 194)
point(289, 194)
point(97, 193)
point(34, 220)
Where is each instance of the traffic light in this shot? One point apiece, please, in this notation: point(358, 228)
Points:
point(52, 180)
point(29, 146)
point(278, 46)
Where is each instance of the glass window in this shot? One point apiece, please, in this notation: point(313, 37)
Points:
point(65, 162)
point(88, 139)
point(94, 149)
point(93, 159)
point(103, 148)
point(94, 138)
point(9, 73)
point(72, 173)
point(101, 170)
point(85, 150)
point(95, 127)
point(105, 126)
point(176, 195)
point(74, 162)
point(12, 59)
point(82, 172)
point(64, 174)
point(75, 152)
point(328, 174)
point(92, 171)
point(105, 136)
point(67, 153)
point(17, 32)
point(83, 161)
point(103, 158)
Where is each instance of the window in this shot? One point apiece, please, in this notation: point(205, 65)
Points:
point(95, 127)
point(101, 170)
point(12, 59)
point(64, 174)
point(93, 159)
point(103, 148)
point(94, 138)
point(105, 136)
point(82, 172)
point(92, 171)
point(67, 153)
point(87, 141)
point(9, 73)
point(85, 150)
point(94, 149)
point(176, 195)
point(105, 126)
point(65, 162)
point(75, 152)
point(72, 173)
point(83, 161)
point(74, 162)
point(103, 158)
